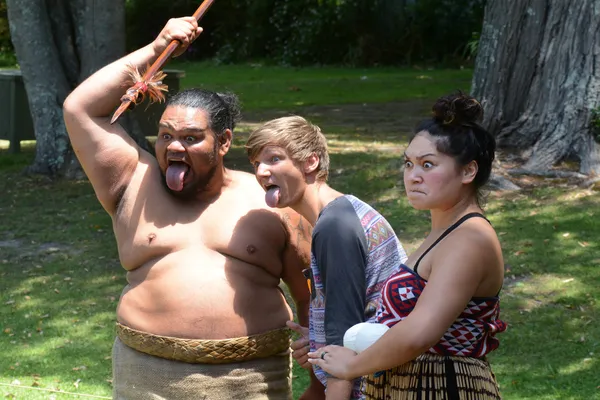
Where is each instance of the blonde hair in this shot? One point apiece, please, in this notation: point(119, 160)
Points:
point(297, 136)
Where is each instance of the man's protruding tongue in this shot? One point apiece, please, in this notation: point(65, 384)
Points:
point(175, 175)
point(272, 196)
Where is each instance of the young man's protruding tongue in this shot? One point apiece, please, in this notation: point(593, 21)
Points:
point(175, 175)
point(272, 196)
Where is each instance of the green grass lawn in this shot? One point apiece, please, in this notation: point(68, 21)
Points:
point(60, 278)
point(268, 87)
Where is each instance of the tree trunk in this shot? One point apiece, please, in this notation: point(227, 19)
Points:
point(537, 75)
point(58, 44)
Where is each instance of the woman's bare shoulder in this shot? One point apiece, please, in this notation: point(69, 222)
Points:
point(475, 239)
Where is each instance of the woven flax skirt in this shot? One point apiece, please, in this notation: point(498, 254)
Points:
point(147, 366)
point(434, 377)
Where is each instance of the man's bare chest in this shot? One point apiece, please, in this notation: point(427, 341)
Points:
point(151, 229)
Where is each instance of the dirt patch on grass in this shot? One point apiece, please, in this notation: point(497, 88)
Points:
point(10, 243)
point(19, 250)
point(399, 117)
point(368, 122)
point(395, 121)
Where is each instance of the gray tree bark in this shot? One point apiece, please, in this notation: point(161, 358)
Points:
point(58, 44)
point(537, 74)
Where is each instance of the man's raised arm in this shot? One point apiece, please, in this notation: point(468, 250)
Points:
point(106, 152)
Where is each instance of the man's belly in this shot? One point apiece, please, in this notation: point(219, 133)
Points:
point(202, 298)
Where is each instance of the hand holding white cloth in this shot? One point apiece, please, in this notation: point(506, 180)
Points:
point(363, 335)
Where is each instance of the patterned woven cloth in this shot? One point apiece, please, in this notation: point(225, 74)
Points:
point(472, 334)
point(434, 377)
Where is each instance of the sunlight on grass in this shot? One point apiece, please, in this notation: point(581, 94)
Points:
point(5, 144)
point(549, 289)
point(577, 195)
point(584, 364)
point(344, 147)
point(36, 391)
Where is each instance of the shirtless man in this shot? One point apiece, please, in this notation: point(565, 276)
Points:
point(202, 316)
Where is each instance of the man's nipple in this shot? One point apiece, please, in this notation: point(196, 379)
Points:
point(251, 249)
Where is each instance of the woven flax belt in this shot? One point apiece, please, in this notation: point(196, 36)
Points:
point(207, 351)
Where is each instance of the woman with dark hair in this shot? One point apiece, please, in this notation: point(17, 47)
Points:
point(442, 306)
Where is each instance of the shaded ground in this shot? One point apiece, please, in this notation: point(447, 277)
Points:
point(395, 117)
point(381, 127)
point(394, 121)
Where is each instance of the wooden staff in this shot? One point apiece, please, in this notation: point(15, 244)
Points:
point(153, 76)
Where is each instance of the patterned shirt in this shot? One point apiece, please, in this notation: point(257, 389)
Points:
point(354, 251)
point(472, 334)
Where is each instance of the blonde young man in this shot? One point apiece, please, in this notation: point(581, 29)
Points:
point(353, 251)
point(202, 316)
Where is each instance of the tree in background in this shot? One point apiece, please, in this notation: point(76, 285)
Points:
point(537, 74)
point(59, 43)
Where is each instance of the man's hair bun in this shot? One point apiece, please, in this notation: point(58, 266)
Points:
point(457, 109)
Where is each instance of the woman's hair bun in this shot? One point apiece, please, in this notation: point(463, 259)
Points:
point(457, 109)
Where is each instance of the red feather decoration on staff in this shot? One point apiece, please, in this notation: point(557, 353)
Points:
point(142, 87)
point(151, 82)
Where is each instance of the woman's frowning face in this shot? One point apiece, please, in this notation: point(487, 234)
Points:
point(433, 180)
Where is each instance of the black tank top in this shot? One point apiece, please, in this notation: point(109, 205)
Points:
point(447, 232)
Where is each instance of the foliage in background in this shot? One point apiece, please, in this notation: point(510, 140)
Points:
point(7, 53)
point(312, 32)
point(472, 46)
